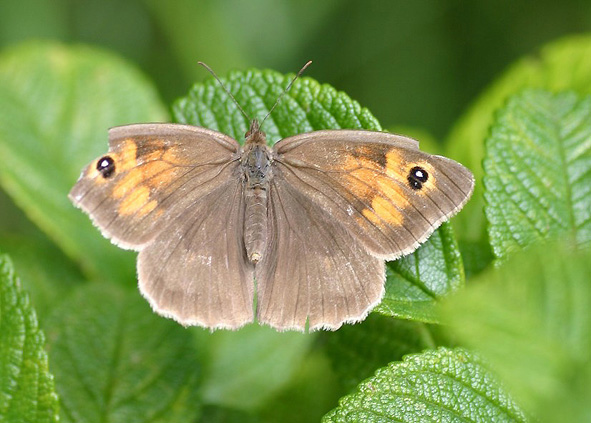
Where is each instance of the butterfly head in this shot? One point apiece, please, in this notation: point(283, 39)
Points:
point(255, 135)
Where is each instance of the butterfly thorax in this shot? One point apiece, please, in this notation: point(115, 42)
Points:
point(256, 164)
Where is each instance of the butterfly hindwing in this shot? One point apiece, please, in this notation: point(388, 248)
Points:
point(314, 271)
point(197, 272)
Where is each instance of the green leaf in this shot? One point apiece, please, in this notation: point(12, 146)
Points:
point(538, 170)
point(247, 367)
point(357, 351)
point(27, 392)
point(530, 318)
point(114, 360)
point(560, 65)
point(476, 256)
point(416, 282)
point(440, 385)
point(308, 106)
point(56, 105)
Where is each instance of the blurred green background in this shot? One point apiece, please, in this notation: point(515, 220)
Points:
point(412, 63)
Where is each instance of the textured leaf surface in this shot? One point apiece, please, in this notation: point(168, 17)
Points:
point(414, 282)
point(530, 318)
point(440, 385)
point(560, 65)
point(116, 361)
point(308, 106)
point(27, 391)
point(56, 105)
point(538, 170)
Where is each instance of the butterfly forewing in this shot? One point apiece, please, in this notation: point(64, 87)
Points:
point(388, 194)
point(151, 174)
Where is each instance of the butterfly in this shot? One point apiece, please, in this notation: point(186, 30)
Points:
point(294, 235)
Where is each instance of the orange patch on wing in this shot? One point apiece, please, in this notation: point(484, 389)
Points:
point(151, 174)
point(360, 183)
point(386, 211)
point(396, 166)
point(362, 176)
point(148, 208)
point(384, 185)
point(134, 201)
point(126, 158)
point(130, 182)
point(141, 176)
point(392, 191)
point(372, 217)
point(157, 173)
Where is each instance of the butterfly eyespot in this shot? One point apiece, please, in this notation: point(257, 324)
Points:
point(417, 177)
point(106, 166)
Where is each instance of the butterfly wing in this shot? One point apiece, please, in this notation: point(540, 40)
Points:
point(173, 193)
point(340, 202)
point(196, 271)
point(313, 270)
point(387, 193)
point(157, 172)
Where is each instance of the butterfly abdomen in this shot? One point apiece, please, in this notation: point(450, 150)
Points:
point(255, 223)
point(256, 164)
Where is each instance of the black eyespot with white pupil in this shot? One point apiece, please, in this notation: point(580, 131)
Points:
point(417, 177)
point(106, 166)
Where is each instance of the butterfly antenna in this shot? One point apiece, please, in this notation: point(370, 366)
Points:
point(210, 70)
point(286, 90)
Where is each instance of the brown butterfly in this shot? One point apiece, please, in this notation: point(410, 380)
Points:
point(306, 224)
